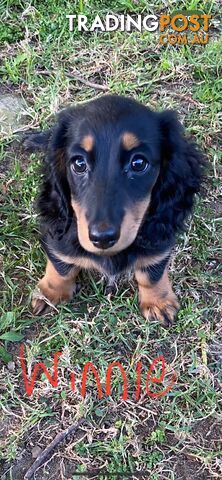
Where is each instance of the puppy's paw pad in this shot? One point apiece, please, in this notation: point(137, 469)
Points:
point(40, 304)
point(39, 307)
point(165, 314)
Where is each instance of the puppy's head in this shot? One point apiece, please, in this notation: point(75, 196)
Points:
point(117, 163)
point(112, 151)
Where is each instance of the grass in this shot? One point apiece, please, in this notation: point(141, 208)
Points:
point(177, 436)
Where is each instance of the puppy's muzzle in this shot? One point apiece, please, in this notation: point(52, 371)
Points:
point(103, 236)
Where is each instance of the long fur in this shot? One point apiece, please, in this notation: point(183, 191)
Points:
point(179, 180)
point(172, 197)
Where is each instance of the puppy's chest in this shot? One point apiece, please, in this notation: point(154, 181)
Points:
point(112, 266)
point(68, 251)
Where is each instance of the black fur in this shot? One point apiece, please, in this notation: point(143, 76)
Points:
point(173, 180)
point(61, 267)
point(155, 272)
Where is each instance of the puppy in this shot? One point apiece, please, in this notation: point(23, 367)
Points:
point(119, 182)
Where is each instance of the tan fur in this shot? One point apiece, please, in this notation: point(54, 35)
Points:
point(81, 262)
point(54, 287)
point(130, 140)
point(87, 143)
point(147, 261)
point(129, 228)
point(157, 299)
point(88, 264)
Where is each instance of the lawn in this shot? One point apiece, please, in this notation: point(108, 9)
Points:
point(176, 436)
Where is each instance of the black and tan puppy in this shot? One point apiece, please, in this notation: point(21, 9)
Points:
point(119, 182)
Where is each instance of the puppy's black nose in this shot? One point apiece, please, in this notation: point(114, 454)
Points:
point(103, 236)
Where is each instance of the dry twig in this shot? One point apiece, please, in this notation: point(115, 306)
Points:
point(58, 439)
point(80, 79)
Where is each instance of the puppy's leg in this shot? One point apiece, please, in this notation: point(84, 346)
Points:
point(54, 287)
point(157, 299)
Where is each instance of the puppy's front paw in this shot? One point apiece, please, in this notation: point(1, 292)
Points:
point(40, 304)
point(45, 297)
point(157, 300)
point(163, 311)
point(52, 289)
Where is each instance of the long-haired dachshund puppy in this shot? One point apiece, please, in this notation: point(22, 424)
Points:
point(119, 183)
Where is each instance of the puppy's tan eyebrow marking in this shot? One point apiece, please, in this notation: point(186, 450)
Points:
point(130, 140)
point(87, 143)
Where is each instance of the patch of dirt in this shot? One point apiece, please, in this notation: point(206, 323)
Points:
point(53, 468)
point(187, 468)
point(208, 432)
point(7, 89)
point(144, 431)
point(216, 206)
point(205, 433)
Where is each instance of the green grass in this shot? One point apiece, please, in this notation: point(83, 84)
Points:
point(174, 437)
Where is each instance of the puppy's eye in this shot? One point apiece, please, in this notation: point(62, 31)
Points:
point(139, 163)
point(78, 164)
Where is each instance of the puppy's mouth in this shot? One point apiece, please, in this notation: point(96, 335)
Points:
point(107, 239)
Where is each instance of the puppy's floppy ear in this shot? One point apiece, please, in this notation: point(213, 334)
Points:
point(178, 182)
point(54, 201)
point(37, 141)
